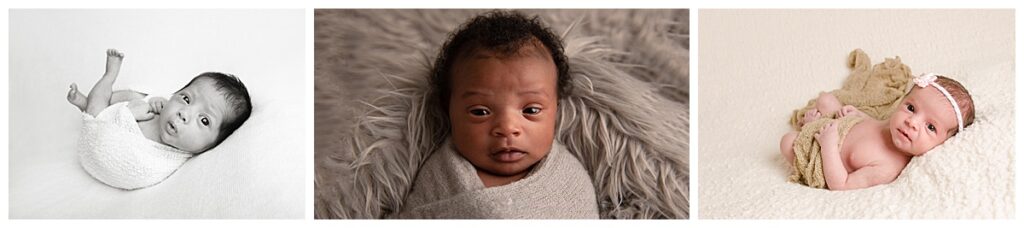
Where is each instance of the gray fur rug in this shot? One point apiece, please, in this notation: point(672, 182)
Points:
point(627, 119)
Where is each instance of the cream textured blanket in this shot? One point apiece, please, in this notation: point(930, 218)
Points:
point(114, 151)
point(448, 187)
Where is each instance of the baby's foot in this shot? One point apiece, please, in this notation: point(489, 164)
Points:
point(114, 58)
point(76, 98)
point(810, 116)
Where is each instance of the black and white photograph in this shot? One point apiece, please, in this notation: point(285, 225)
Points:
point(157, 114)
point(501, 114)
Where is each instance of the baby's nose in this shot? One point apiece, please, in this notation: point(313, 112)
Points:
point(184, 117)
point(506, 127)
point(914, 122)
point(506, 132)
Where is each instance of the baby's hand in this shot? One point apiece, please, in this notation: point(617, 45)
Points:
point(156, 104)
point(141, 110)
point(828, 135)
point(849, 110)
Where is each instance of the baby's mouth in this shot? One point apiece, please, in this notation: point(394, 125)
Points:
point(508, 154)
point(171, 128)
point(904, 134)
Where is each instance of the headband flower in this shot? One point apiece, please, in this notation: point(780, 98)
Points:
point(925, 79)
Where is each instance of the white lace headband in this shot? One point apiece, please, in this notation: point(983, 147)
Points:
point(929, 79)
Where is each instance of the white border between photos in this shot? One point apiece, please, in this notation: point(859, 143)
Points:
point(309, 5)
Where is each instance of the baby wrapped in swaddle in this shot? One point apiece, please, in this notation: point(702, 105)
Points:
point(499, 79)
point(447, 186)
point(113, 150)
point(134, 143)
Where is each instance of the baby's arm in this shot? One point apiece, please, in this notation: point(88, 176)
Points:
point(864, 177)
point(144, 111)
point(99, 96)
point(141, 110)
point(831, 162)
point(832, 165)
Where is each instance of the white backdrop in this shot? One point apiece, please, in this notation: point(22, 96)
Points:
point(256, 173)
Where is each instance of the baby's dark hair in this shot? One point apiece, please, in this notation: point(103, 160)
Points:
point(237, 97)
point(503, 32)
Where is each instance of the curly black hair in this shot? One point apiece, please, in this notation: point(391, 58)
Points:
point(503, 32)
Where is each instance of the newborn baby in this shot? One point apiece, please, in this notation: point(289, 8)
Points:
point(130, 143)
point(499, 79)
point(857, 151)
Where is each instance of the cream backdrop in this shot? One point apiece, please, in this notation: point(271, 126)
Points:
point(757, 66)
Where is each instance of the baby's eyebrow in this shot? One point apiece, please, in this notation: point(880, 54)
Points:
point(474, 93)
point(532, 92)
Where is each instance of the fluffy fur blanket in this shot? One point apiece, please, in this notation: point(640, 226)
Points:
point(626, 120)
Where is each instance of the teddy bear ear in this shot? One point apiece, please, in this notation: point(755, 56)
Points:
point(858, 61)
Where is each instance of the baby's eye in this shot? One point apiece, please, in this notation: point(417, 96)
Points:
point(910, 108)
point(205, 121)
point(531, 111)
point(479, 112)
point(931, 127)
point(186, 99)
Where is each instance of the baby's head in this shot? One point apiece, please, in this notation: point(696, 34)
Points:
point(927, 117)
point(203, 113)
point(499, 79)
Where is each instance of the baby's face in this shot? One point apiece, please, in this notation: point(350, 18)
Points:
point(503, 110)
point(923, 120)
point(191, 119)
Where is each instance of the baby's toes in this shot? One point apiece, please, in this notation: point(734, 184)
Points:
point(811, 115)
point(114, 53)
point(72, 92)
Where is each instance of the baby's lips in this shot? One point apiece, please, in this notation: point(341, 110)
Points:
point(509, 156)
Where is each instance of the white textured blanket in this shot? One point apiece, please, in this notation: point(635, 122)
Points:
point(114, 151)
point(448, 187)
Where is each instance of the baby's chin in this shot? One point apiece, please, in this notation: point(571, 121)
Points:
point(507, 169)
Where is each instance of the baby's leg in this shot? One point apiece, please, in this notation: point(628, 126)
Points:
point(786, 146)
point(99, 96)
point(78, 99)
point(828, 104)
